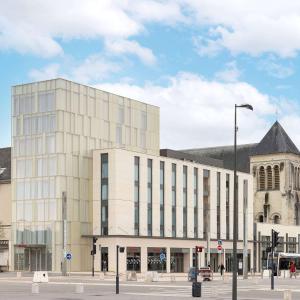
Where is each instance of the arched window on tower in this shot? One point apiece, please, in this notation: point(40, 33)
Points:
point(260, 218)
point(296, 172)
point(276, 178)
point(269, 178)
point(262, 179)
point(276, 219)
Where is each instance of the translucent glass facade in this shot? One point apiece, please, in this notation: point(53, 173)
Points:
point(56, 125)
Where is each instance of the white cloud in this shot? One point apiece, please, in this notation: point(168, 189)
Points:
point(249, 26)
point(30, 27)
point(94, 67)
point(48, 72)
point(230, 74)
point(276, 69)
point(132, 47)
point(196, 112)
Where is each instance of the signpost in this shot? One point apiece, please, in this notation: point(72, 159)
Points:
point(68, 256)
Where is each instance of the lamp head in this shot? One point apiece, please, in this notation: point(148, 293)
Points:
point(248, 106)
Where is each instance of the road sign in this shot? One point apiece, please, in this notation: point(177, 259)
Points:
point(68, 256)
point(220, 242)
point(219, 248)
point(162, 256)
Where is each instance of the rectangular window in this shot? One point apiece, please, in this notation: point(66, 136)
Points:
point(149, 196)
point(162, 198)
point(195, 202)
point(218, 205)
point(206, 203)
point(227, 206)
point(104, 194)
point(136, 195)
point(143, 120)
point(292, 244)
point(173, 200)
point(46, 101)
point(119, 135)
point(184, 200)
point(120, 114)
point(245, 207)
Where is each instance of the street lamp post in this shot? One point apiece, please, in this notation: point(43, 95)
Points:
point(235, 211)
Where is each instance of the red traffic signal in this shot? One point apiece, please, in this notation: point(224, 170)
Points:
point(199, 249)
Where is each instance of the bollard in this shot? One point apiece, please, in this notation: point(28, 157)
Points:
point(287, 295)
point(35, 288)
point(79, 289)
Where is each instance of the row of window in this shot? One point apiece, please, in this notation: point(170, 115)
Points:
point(30, 146)
point(43, 167)
point(36, 124)
point(206, 199)
point(35, 189)
point(26, 104)
point(268, 178)
point(289, 246)
point(38, 210)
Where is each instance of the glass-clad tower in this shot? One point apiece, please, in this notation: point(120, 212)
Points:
point(56, 125)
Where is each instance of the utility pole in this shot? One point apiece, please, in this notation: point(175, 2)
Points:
point(235, 207)
point(245, 250)
point(275, 242)
point(93, 252)
point(117, 273)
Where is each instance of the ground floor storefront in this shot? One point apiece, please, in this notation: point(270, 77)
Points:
point(165, 255)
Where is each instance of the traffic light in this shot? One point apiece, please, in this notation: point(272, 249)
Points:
point(275, 238)
point(94, 246)
point(199, 249)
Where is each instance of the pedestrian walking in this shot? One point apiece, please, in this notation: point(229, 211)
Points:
point(292, 269)
point(222, 269)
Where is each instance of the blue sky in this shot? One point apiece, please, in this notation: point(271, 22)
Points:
point(194, 59)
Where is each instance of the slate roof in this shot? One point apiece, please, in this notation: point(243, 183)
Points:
point(226, 154)
point(275, 141)
point(193, 158)
point(5, 162)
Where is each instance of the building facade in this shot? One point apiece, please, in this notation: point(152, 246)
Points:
point(5, 209)
point(167, 204)
point(56, 125)
point(274, 164)
point(86, 163)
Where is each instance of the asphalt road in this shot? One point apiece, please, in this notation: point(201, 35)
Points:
point(59, 288)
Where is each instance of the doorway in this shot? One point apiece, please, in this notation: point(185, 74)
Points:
point(33, 259)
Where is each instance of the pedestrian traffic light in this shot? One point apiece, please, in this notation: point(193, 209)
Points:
point(275, 238)
point(94, 246)
point(199, 249)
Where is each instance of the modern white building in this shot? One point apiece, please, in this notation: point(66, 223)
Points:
point(167, 204)
point(56, 125)
point(86, 163)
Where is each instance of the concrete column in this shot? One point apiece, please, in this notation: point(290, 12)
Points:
point(191, 256)
point(168, 253)
point(98, 258)
point(186, 262)
point(144, 260)
point(112, 252)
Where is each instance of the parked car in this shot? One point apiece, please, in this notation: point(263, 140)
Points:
point(206, 273)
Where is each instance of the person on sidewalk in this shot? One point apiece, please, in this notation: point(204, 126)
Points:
point(292, 269)
point(221, 267)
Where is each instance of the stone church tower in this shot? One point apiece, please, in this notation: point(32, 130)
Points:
point(275, 164)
